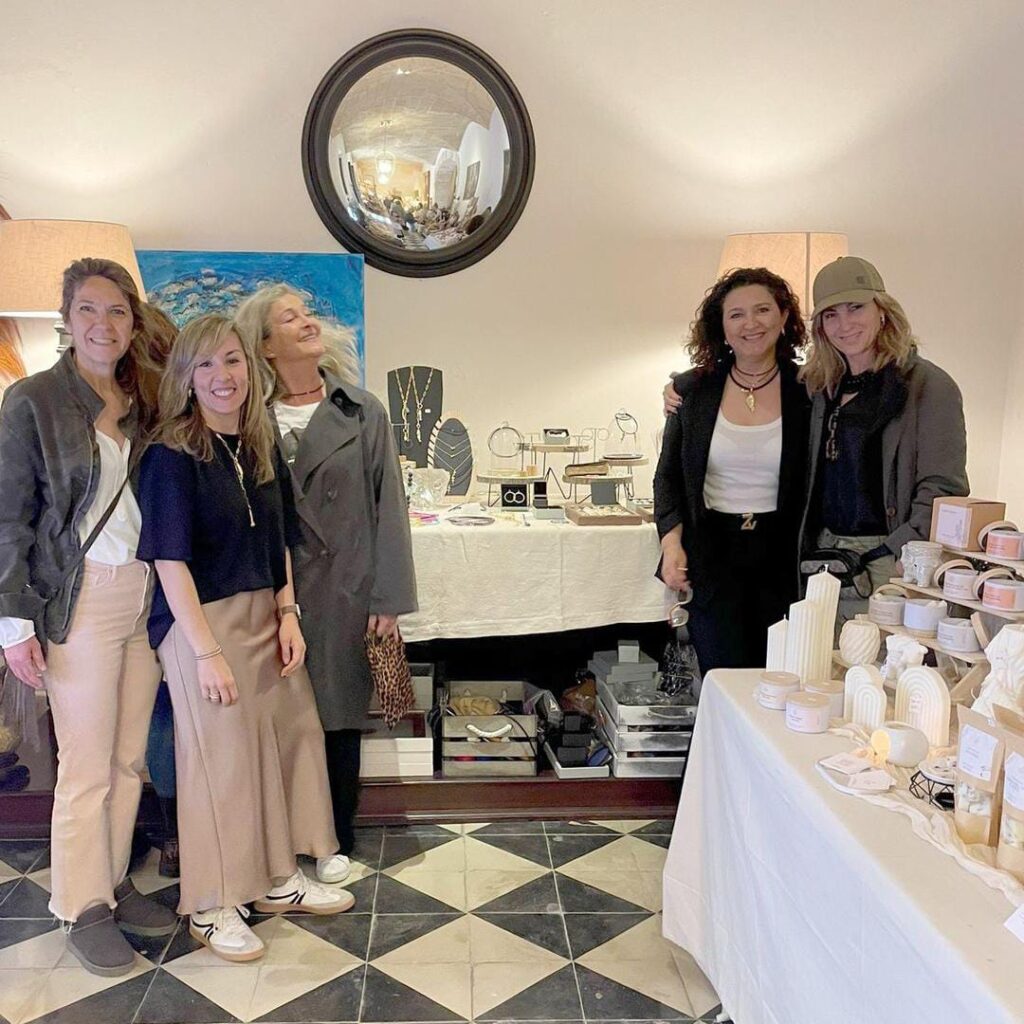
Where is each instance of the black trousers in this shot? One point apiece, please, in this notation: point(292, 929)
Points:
point(342, 747)
point(752, 582)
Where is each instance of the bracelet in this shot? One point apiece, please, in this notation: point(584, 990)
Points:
point(210, 654)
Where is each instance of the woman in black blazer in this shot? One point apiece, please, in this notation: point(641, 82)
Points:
point(729, 487)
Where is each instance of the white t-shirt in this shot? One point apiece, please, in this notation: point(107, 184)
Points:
point(119, 539)
point(743, 467)
point(294, 417)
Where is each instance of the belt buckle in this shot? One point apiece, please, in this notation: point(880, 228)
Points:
point(749, 522)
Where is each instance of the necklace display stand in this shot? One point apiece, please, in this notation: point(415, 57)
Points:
point(415, 400)
point(450, 449)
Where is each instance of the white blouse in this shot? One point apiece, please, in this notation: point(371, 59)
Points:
point(743, 467)
point(119, 539)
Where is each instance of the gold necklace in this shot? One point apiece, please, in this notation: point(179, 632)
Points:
point(750, 401)
point(240, 473)
point(404, 395)
point(420, 399)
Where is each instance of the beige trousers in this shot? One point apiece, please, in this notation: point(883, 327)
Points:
point(101, 683)
point(252, 778)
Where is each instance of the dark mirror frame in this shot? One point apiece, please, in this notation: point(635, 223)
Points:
point(316, 131)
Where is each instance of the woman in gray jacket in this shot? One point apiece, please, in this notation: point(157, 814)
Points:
point(887, 433)
point(353, 567)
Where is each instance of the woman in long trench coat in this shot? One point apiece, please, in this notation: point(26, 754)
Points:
point(353, 569)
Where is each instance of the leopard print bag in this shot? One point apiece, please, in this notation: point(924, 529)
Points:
point(391, 677)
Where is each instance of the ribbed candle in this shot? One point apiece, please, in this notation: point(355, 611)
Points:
point(823, 589)
point(803, 636)
point(775, 660)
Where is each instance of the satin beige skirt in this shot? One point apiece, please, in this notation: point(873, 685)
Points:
point(252, 778)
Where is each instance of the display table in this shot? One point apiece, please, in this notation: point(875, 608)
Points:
point(508, 579)
point(804, 905)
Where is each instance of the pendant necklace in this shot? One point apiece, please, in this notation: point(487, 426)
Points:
point(750, 401)
point(404, 396)
point(240, 473)
point(419, 399)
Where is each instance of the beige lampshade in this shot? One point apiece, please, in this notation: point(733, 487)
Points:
point(796, 256)
point(35, 253)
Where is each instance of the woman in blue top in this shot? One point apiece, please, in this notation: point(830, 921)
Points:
point(217, 521)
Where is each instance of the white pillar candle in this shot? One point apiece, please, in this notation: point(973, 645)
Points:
point(803, 641)
point(775, 660)
point(922, 701)
point(823, 589)
point(858, 676)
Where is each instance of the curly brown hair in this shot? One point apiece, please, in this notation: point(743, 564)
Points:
point(707, 348)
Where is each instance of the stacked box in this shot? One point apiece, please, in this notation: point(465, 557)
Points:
point(405, 752)
point(645, 739)
point(607, 668)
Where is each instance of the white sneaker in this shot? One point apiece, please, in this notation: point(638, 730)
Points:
point(333, 869)
point(304, 895)
point(225, 933)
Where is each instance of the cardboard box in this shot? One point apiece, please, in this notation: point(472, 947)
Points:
point(422, 686)
point(957, 521)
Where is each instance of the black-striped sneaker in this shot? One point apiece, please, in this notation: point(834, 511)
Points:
point(302, 895)
point(224, 932)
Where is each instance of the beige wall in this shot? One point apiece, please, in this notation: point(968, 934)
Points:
point(661, 127)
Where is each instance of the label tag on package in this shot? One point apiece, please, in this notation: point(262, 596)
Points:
point(1015, 923)
point(1013, 784)
point(975, 754)
point(951, 525)
point(847, 764)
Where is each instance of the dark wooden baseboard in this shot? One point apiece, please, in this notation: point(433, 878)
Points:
point(415, 801)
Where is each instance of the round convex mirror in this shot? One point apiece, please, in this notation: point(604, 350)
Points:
point(418, 152)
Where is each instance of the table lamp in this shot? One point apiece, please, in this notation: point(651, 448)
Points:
point(35, 253)
point(796, 256)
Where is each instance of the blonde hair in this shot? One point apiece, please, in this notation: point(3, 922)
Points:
point(340, 356)
point(894, 344)
point(182, 427)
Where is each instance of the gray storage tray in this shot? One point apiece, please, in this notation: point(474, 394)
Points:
point(626, 767)
point(622, 713)
point(641, 738)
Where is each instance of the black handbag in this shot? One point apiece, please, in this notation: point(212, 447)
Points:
point(847, 567)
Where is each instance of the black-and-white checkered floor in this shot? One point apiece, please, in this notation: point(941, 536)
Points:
point(522, 921)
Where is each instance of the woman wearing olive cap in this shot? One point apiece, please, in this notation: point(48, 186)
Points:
point(887, 434)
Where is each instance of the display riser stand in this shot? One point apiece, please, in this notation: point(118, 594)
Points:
point(415, 801)
point(974, 606)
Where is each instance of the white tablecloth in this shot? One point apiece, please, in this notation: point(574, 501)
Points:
point(804, 905)
point(507, 579)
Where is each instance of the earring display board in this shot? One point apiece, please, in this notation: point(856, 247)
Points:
point(415, 396)
point(450, 449)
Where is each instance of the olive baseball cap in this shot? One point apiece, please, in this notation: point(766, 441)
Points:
point(847, 279)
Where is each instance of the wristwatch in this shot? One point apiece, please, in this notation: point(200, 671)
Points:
point(286, 608)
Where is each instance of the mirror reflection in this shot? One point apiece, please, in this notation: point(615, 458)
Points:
point(419, 154)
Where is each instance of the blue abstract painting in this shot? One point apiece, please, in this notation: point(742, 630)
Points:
point(185, 284)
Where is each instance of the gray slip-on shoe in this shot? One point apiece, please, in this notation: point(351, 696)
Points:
point(140, 916)
point(98, 944)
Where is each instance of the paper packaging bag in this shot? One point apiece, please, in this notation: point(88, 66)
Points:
point(979, 770)
point(957, 521)
point(1010, 851)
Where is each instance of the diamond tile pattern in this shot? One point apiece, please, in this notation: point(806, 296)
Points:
point(511, 921)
